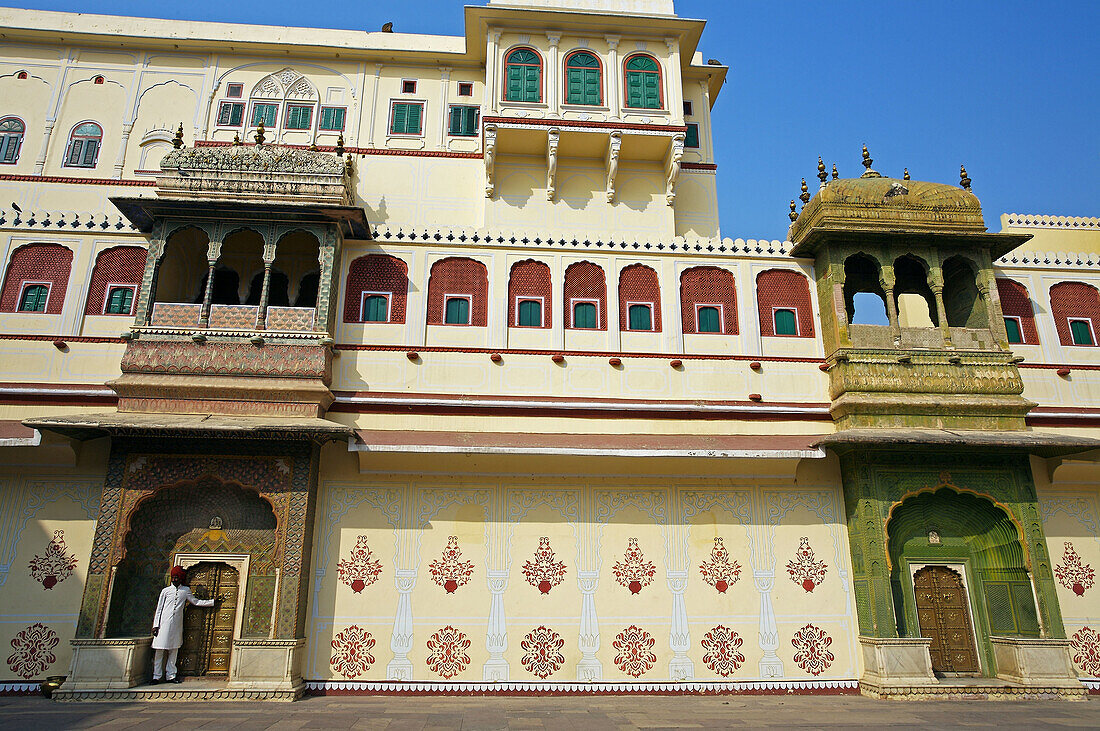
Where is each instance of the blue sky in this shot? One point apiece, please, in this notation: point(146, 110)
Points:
point(1011, 89)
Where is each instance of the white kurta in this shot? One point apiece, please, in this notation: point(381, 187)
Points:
point(169, 617)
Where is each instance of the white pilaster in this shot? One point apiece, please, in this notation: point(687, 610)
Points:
point(40, 161)
point(400, 667)
point(120, 160)
point(374, 106)
point(589, 669)
point(444, 95)
point(614, 93)
point(496, 638)
point(492, 74)
point(680, 667)
point(675, 81)
point(553, 76)
point(771, 666)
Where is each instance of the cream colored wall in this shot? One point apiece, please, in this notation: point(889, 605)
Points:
point(37, 500)
point(407, 516)
point(1069, 505)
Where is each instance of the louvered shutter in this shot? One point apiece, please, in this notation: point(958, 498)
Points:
point(412, 127)
point(515, 83)
point(90, 149)
point(400, 118)
point(592, 86)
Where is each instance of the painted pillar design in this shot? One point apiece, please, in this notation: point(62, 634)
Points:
point(329, 246)
point(143, 313)
point(400, 667)
point(265, 289)
point(680, 667)
point(589, 669)
point(496, 573)
point(771, 666)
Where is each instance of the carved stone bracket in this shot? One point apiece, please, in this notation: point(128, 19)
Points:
point(672, 167)
point(614, 143)
point(490, 159)
point(552, 162)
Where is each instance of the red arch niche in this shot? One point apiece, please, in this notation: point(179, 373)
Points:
point(1016, 302)
point(530, 278)
point(462, 276)
point(784, 288)
point(708, 286)
point(120, 265)
point(377, 273)
point(47, 263)
point(1076, 300)
point(585, 280)
point(638, 284)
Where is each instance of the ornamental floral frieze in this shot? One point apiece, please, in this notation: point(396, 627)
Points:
point(1073, 573)
point(544, 572)
point(449, 570)
point(634, 572)
point(360, 569)
point(720, 571)
point(54, 564)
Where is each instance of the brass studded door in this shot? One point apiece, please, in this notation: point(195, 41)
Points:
point(944, 616)
point(208, 631)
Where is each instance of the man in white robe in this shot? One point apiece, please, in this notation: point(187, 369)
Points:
point(168, 625)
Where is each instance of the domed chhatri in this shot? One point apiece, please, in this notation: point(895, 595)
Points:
point(874, 202)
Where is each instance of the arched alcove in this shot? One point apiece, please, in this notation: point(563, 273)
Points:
point(962, 301)
point(911, 277)
point(861, 287)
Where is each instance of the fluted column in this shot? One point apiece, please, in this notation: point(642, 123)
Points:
point(120, 161)
point(614, 92)
point(143, 313)
point(493, 90)
point(47, 131)
point(553, 76)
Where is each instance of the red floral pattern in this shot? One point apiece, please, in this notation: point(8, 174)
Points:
point(544, 573)
point(804, 570)
point(33, 651)
point(542, 652)
point(634, 651)
point(719, 571)
point(1072, 573)
point(634, 572)
point(811, 646)
point(1085, 644)
point(722, 652)
point(360, 569)
point(451, 573)
point(447, 652)
point(54, 565)
point(351, 656)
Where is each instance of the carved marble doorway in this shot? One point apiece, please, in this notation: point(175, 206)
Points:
point(208, 632)
point(943, 614)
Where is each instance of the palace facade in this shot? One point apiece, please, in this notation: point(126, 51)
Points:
point(427, 355)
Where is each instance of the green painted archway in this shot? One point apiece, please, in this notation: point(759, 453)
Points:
point(950, 527)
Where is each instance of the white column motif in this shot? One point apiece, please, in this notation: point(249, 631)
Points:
point(553, 74)
point(680, 667)
point(400, 667)
point(770, 665)
point(40, 161)
point(552, 162)
point(374, 107)
point(444, 91)
point(496, 638)
point(589, 668)
point(675, 81)
point(120, 161)
point(614, 143)
point(614, 97)
point(490, 155)
point(492, 75)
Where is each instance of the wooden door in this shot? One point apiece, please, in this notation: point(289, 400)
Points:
point(944, 616)
point(208, 631)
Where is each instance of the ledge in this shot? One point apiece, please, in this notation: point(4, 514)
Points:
point(1040, 444)
point(94, 425)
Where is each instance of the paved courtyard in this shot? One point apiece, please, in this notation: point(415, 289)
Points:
point(557, 713)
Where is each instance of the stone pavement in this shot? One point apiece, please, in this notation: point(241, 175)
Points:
point(560, 713)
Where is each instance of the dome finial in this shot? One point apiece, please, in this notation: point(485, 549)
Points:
point(805, 195)
point(836, 175)
point(906, 175)
point(793, 215)
point(964, 179)
point(177, 141)
point(259, 136)
point(339, 149)
point(236, 139)
point(867, 158)
point(821, 174)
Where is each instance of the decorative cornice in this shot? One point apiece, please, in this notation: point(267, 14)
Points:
point(39, 220)
point(1050, 259)
point(76, 181)
point(585, 124)
point(1032, 220)
point(364, 150)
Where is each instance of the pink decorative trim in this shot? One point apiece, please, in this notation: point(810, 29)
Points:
point(698, 166)
point(580, 123)
point(77, 181)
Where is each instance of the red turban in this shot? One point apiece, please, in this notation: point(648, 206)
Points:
point(178, 572)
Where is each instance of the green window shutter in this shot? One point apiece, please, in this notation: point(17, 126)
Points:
point(634, 96)
point(575, 87)
point(224, 114)
point(709, 320)
point(34, 298)
point(91, 147)
point(263, 114)
point(471, 120)
point(456, 120)
point(332, 118)
point(531, 83)
point(584, 315)
point(463, 121)
point(1012, 325)
point(514, 91)
point(119, 301)
point(236, 115)
point(299, 117)
point(76, 148)
point(1023, 604)
point(458, 311)
point(785, 323)
point(9, 147)
point(592, 87)
point(640, 317)
point(692, 139)
point(375, 309)
point(400, 118)
point(413, 126)
point(530, 313)
point(1082, 333)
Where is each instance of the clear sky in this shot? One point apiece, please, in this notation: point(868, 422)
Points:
point(1010, 88)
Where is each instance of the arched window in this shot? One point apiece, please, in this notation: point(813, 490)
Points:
point(378, 285)
point(529, 294)
point(585, 294)
point(37, 278)
point(708, 301)
point(523, 76)
point(116, 277)
point(1075, 307)
point(582, 79)
point(11, 139)
point(1018, 313)
point(643, 83)
point(84, 145)
point(458, 292)
point(639, 299)
point(783, 302)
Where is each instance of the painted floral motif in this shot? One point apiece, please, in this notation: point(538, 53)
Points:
point(722, 652)
point(811, 646)
point(451, 573)
point(719, 571)
point(33, 651)
point(360, 569)
point(544, 573)
point(542, 652)
point(1072, 573)
point(351, 656)
point(1085, 644)
point(54, 565)
point(634, 572)
point(634, 651)
point(804, 570)
point(447, 652)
